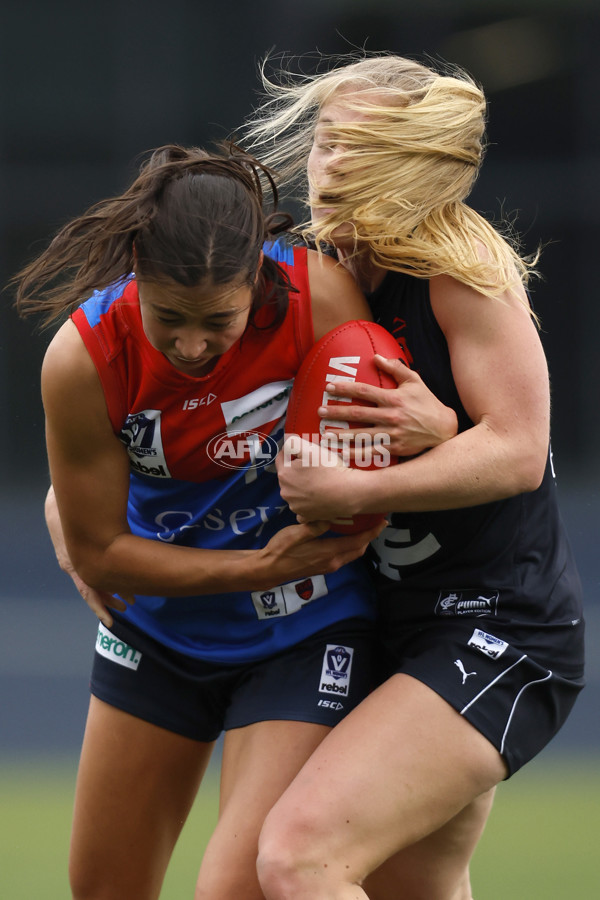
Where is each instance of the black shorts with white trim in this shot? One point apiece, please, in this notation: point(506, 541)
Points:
point(511, 691)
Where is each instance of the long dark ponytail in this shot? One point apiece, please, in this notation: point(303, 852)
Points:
point(192, 216)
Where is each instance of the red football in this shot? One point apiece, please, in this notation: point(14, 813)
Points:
point(343, 354)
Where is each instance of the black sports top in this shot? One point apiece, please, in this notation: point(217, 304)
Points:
point(509, 559)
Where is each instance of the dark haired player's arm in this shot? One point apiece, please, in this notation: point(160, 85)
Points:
point(89, 468)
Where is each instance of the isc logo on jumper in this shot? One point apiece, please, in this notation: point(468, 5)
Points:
point(467, 603)
point(286, 599)
point(487, 643)
point(117, 651)
point(196, 402)
point(242, 448)
point(141, 435)
point(337, 667)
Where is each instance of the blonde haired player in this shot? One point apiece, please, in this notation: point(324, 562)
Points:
point(480, 601)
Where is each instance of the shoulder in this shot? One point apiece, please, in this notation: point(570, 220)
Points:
point(101, 302)
point(336, 298)
point(67, 350)
point(77, 422)
point(399, 287)
point(457, 305)
point(491, 292)
point(67, 366)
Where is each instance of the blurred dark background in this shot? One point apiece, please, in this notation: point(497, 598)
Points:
point(86, 87)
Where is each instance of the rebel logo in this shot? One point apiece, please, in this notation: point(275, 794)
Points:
point(337, 667)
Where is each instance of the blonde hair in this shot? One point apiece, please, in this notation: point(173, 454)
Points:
point(406, 170)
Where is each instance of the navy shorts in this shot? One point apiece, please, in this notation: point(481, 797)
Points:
point(493, 677)
point(317, 680)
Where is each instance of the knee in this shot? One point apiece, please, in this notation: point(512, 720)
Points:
point(83, 887)
point(276, 867)
point(81, 884)
point(284, 862)
point(86, 885)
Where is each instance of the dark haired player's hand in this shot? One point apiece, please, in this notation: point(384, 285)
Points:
point(100, 602)
point(300, 550)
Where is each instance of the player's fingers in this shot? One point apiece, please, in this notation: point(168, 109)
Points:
point(99, 608)
point(365, 433)
point(315, 528)
point(338, 416)
point(395, 367)
point(355, 390)
point(347, 548)
point(294, 448)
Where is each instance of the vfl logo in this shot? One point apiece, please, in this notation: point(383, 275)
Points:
point(138, 434)
point(142, 437)
point(487, 643)
point(336, 671)
point(242, 448)
point(465, 675)
point(269, 602)
point(287, 599)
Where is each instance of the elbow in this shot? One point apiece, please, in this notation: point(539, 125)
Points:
point(90, 573)
point(91, 567)
point(530, 482)
point(529, 469)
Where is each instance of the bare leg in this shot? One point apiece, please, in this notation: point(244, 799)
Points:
point(135, 787)
point(259, 762)
point(393, 772)
point(437, 866)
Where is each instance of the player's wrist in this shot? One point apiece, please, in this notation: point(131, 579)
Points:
point(251, 570)
point(358, 493)
point(449, 425)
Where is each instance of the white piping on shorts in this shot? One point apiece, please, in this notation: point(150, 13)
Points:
point(493, 682)
point(525, 686)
